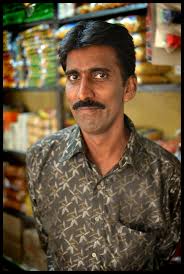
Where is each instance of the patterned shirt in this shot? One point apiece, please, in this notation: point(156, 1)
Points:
point(128, 219)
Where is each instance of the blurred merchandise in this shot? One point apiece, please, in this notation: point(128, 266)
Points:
point(139, 38)
point(15, 135)
point(16, 13)
point(148, 73)
point(172, 145)
point(9, 72)
point(41, 124)
point(68, 119)
point(39, 51)
point(66, 10)
point(152, 79)
point(60, 33)
point(134, 23)
point(163, 35)
point(168, 30)
point(140, 53)
point(13, 13)
point(174, 75)
point(23, 129)
point(93, 7)
point(15, 187)
point(150, 133)
point(149, 69)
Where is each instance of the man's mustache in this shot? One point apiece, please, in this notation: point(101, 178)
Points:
point(88, 103)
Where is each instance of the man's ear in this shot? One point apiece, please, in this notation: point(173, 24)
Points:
point(130, 89)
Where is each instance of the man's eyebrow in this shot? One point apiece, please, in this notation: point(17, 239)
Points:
point(94, 69)
point(99, 69)
point(71, 71)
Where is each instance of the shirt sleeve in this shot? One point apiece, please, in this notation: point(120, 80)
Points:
point(33, 165)
point(170, 237)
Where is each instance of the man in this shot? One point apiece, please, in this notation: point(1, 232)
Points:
point(104, 198)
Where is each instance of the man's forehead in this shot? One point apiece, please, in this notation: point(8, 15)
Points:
point(92, 56)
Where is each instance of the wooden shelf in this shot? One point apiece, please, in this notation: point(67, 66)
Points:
point(159, 87)
point(140, 87)
point(11, 265)
point(14, 157)
point(34, 89)
point(28, 220)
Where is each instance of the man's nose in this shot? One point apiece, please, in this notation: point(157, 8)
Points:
point(85, 90)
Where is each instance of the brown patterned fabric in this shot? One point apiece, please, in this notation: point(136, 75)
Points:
point(128, 219)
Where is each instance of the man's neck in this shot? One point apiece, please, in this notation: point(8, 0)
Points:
point(105, 150)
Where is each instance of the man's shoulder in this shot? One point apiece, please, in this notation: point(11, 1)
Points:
point(59, 138)
point(157, 152)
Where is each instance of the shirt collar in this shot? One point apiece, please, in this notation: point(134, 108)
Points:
point(134, 146)
point(75, 144)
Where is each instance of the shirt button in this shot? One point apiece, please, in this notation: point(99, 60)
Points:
point(96, 219)
point(93, 255)
point(98, 187)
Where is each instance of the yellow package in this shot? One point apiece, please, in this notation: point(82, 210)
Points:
point(146, 68)
point(152, 79)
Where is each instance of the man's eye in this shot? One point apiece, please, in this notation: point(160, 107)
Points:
point(72, 77)
point(100, 75)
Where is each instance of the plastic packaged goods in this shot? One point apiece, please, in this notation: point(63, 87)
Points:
point(140, 53)
point(26, 12)
point(93, 7)
point(148, 73)
point(9, 72)
point(174, 75)
point(66, 10)
point(13, 13)
point(40, 11)
point(9, 116)
point(15, 131)
point(41, 124)
point(6, 41)
point(146, 68)
point(39, 57)
point(168, 26)
point(60, 33)
point(150, 133)
point(27, 128)
point(139, 38)
point(152, 79)
point(14, 187)
point(134, 23)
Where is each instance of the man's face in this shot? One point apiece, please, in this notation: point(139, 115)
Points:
point(93, 74)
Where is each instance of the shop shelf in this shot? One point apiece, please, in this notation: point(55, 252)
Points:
point(14, 157)
point(159, 87)
point(28, 220)
point(8, 264)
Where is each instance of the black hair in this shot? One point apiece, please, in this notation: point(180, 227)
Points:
point(88, 33)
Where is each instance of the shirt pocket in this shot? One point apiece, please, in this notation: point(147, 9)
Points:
point(133, 249)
